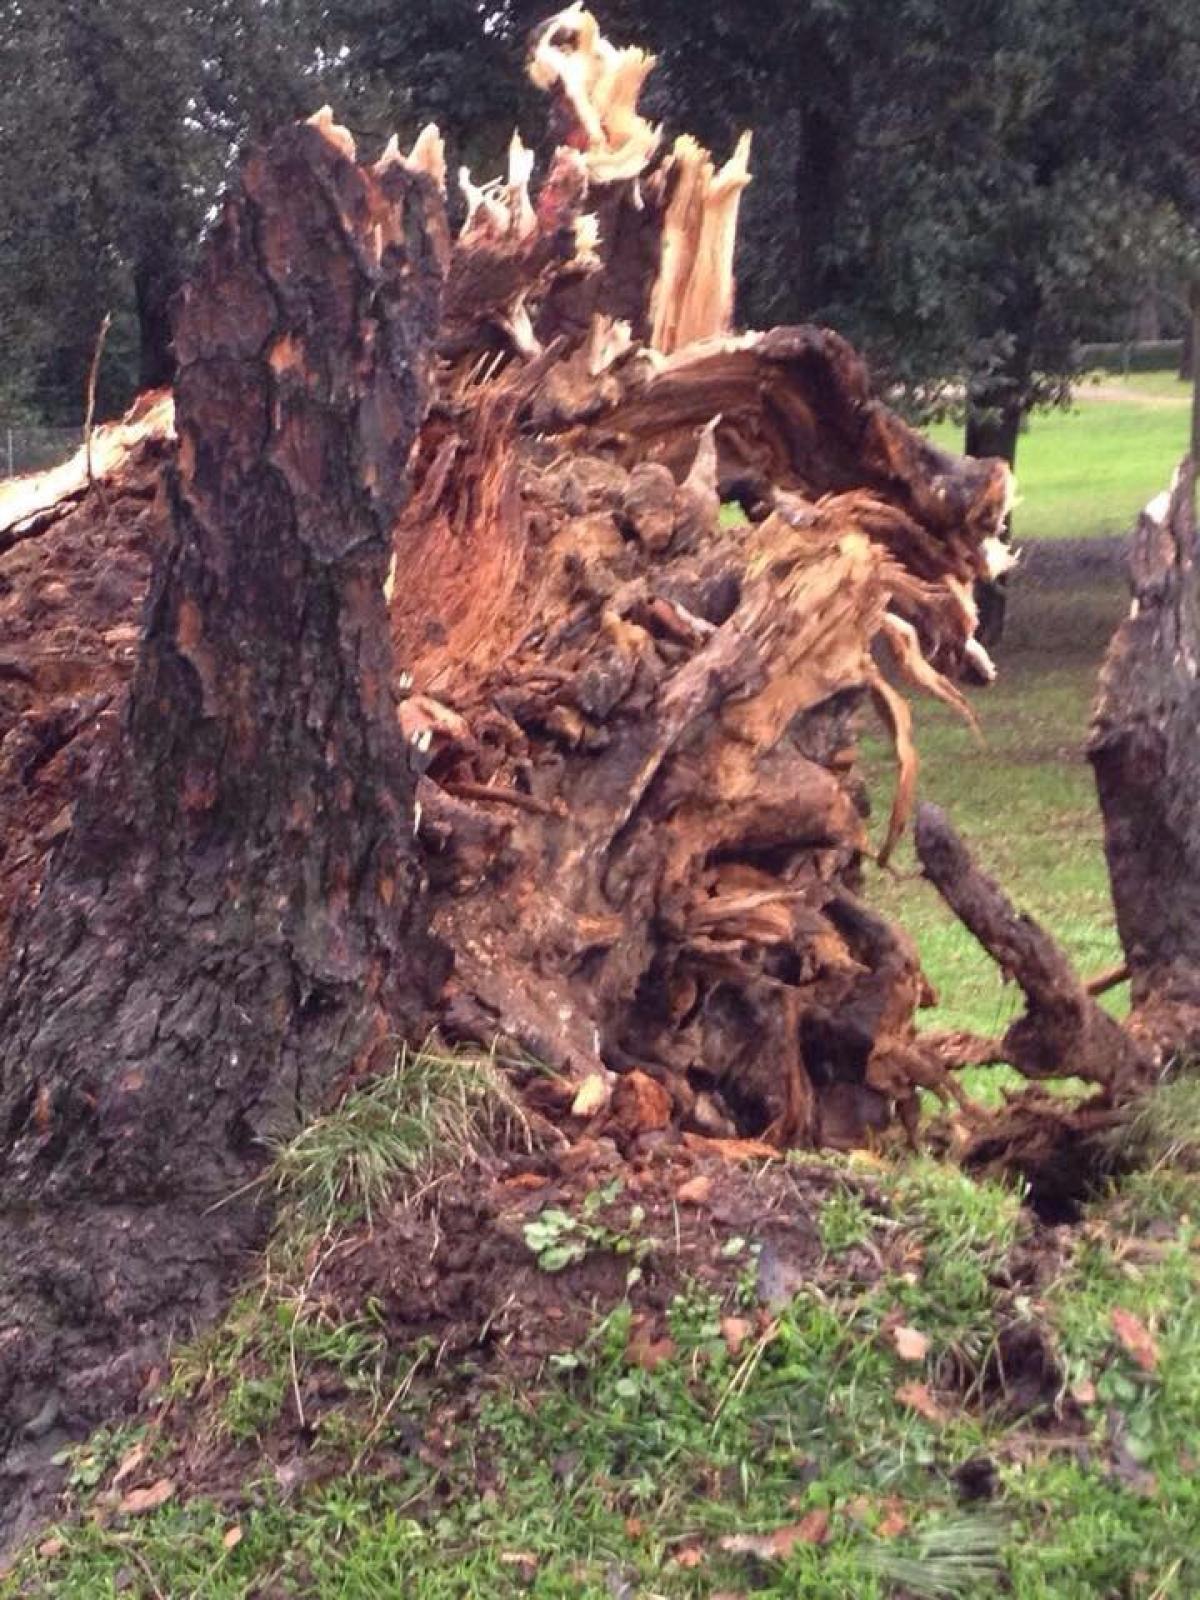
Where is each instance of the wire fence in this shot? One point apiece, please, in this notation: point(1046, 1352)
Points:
point(25, 449)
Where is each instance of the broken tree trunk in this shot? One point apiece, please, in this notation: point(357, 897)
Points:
point(639, 810)
point(1145, 752)
point(233, 924)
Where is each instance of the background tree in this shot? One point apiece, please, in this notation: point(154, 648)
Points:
point(965, 190)
point(118, 120)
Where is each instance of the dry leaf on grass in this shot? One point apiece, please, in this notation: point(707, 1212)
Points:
point(910, 1344)
point(735, 1331)
point(778, 1545)
point(1084, 1392)
point(918, 1398)
point(129, 1464)
point(695, 1191)
point(138, 1501)
point(49, 1548)
point(690, 1556)
point(1136, 1338)
point(893, 1522)
point(232, 1537)
point(649, 1354)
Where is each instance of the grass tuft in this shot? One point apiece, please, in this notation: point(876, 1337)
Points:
point(436, 1111)
point(948, 1559)
point(1162, 1129)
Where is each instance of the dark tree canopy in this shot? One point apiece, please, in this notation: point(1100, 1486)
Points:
point(965, 190)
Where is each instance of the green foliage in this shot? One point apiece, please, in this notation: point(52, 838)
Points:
point(844, 1221)
point(560, 1240)
point(601, 1477)
point(967, 193)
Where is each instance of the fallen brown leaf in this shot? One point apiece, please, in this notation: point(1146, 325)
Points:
point(1136, 1338)
point(735, 1331)
point(138, 1501)
point(893, 1522)
point(526, 1180)
point(910, 1344)
point(649, 1354)
point(918, 1398)
point(640, 1103)
point(524, 1564)
point(695, 1191)
point(777, 1546)
point(129, 1464)
point(1084, 1392)
point(731, 1150)
point(690, 1556)
point(232, 1537)
point(49, 1548)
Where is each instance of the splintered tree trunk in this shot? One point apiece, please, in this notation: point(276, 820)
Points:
point(639, 807)
point(1145, 752)
point(233, 924)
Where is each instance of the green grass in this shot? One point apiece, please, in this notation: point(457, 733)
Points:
point(1025, 801)
point(435, 1107)
point(603, 1479)
point(1089, 470)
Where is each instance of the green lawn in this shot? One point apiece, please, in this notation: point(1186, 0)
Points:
point(1024, 799)
point(1089, 470)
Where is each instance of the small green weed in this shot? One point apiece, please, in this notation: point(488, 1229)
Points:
point(560, 1240)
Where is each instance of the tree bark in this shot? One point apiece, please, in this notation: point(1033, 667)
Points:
point(1144, 752)
point(233, 924)
point(1187, 367)
point(1064, 1032)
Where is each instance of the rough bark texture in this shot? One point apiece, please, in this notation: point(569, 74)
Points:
point(1064, 1032)
point(232, 924)
point(1145, 754)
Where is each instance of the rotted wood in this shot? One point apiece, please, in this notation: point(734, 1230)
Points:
point(1064, 1032)
point(1145, 752)
point(232, 924)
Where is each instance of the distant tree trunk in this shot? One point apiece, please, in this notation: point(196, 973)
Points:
point(156, 279)
point(1187, 350)
point(993, 432)
point(235, 922)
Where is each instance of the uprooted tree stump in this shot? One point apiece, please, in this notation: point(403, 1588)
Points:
point(621, 727)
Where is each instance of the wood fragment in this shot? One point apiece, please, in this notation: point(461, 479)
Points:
point(1063, 1033)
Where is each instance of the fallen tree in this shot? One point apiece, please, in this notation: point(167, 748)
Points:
point(621, 726)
